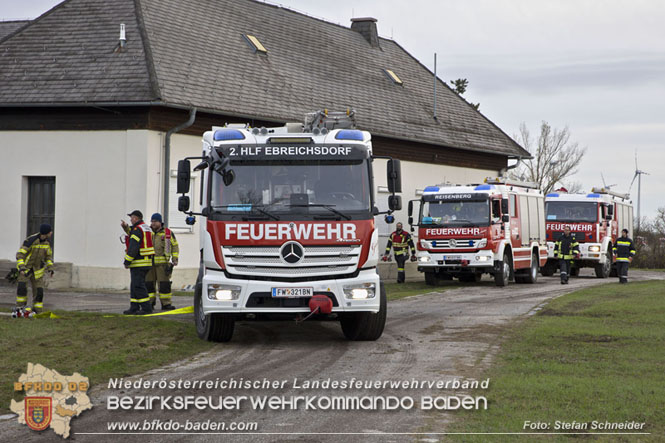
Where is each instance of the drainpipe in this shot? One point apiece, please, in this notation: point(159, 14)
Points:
point(503, 171)
point(167, 160)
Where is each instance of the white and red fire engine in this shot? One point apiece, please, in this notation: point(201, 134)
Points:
point(595, 219)
point(290, 231)
point(497, 227)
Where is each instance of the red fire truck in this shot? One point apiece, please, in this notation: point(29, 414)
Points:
point(497, 227)
point(289, 231)
point(595, 219)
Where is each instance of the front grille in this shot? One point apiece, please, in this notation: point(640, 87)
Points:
point(462, 243)
point(263, 261)
point(266, 300)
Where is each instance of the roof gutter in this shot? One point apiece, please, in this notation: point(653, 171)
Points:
point(503, 171)
point(167, 160)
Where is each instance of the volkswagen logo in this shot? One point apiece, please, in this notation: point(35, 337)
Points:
point(453, 243)
point(292, 252)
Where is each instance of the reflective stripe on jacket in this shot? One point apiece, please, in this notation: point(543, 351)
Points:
point(566, 247)
point(400, 243)
point(35, 254)
point(140, 249)
point(166, 245)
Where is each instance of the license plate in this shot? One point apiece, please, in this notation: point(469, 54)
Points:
point(292, 292)
point(452, 257)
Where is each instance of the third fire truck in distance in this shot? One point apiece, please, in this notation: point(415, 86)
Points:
point(595, 219)
point(497, 227)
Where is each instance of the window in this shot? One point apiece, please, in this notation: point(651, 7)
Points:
point(392, 76)
point(513, 205)
point(255, 44)
point(41, 203)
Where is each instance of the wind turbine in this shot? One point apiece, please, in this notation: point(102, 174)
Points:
point(605, 185)
point(638, 176)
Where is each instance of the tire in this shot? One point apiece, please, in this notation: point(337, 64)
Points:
point(212, 327)
point(366, 326)
point(431, 279)
point(548, 269)
point(603, 269)
point(532, 276)
point(502, 277)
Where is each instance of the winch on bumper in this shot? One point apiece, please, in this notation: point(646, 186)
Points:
point(428, 261)
point(228, 295)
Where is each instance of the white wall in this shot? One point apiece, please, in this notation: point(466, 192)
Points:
point(103, 175)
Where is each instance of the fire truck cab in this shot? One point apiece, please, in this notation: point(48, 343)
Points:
point(289, 226)
point(595, 219)
point(496, 227)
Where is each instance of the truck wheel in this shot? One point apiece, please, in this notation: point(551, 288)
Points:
point(502, 277)
point(548, 269)
point(532, 276)
point(431, 278)
point(603, 268)
point(212, 327)
point(366, 326)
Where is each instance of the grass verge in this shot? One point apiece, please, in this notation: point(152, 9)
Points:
point(594, 355)
point(95, 345)
point(395, 291)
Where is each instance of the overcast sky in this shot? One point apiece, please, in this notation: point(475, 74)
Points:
point(596, 66)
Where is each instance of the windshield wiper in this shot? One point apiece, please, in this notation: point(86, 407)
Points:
point(244, 208)
point(328, 207)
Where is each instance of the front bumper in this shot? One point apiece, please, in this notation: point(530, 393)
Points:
point(450, 260)
point(255, 295)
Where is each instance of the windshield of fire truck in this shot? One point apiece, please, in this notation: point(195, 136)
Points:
point(291, 189)
point(571, 211)
point(458, 213)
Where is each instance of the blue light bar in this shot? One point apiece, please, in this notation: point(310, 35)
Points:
point(228, 134)
point(431, 189)
point(349, 134)
point(552, 195)
point(484, 187)
point(593, 195)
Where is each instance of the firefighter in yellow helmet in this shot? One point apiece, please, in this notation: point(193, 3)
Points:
point(166, 257)
point(138, 259)
point(33, 259)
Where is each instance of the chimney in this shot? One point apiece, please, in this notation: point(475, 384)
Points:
point(366, 26)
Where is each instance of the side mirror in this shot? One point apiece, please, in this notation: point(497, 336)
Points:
point(410, 211)
point(394, 202)
point(610, 211)
point(184, 169)
point(394, 175)
point(228, 177)
point(505, 218)
point(410, 220)
point(505, 207)
point(183, 203)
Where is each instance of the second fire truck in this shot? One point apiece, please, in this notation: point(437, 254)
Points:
point(497, 227)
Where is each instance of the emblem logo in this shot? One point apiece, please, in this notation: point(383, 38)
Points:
point(38, 412)
point(453, 243)
point(292, 252)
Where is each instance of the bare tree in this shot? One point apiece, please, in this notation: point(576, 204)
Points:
point(555, 157)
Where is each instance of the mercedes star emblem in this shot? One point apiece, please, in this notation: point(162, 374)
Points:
point(453, 243)
point(292, 252)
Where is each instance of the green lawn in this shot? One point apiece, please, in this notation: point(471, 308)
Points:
point(95, 345)
point(597, 354)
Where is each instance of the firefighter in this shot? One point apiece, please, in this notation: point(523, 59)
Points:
point(166, 257)
point(33, 259)
point(624, 251)
point(400, 241)
point(566, 248)
point(138, 259)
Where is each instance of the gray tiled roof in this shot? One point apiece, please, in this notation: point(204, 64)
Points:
point(7, 27)
point(193, 54)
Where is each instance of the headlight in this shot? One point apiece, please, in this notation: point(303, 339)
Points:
point(594, 248)
point(224, 292)
point(424, 259)
point(481, 243)
point(361, 291)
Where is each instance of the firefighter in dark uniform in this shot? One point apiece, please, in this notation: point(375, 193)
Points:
point(624, 251)
point(33, 259)
point(166, 257)
point(400, 241)
point(566, 249)
point(138, 259)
